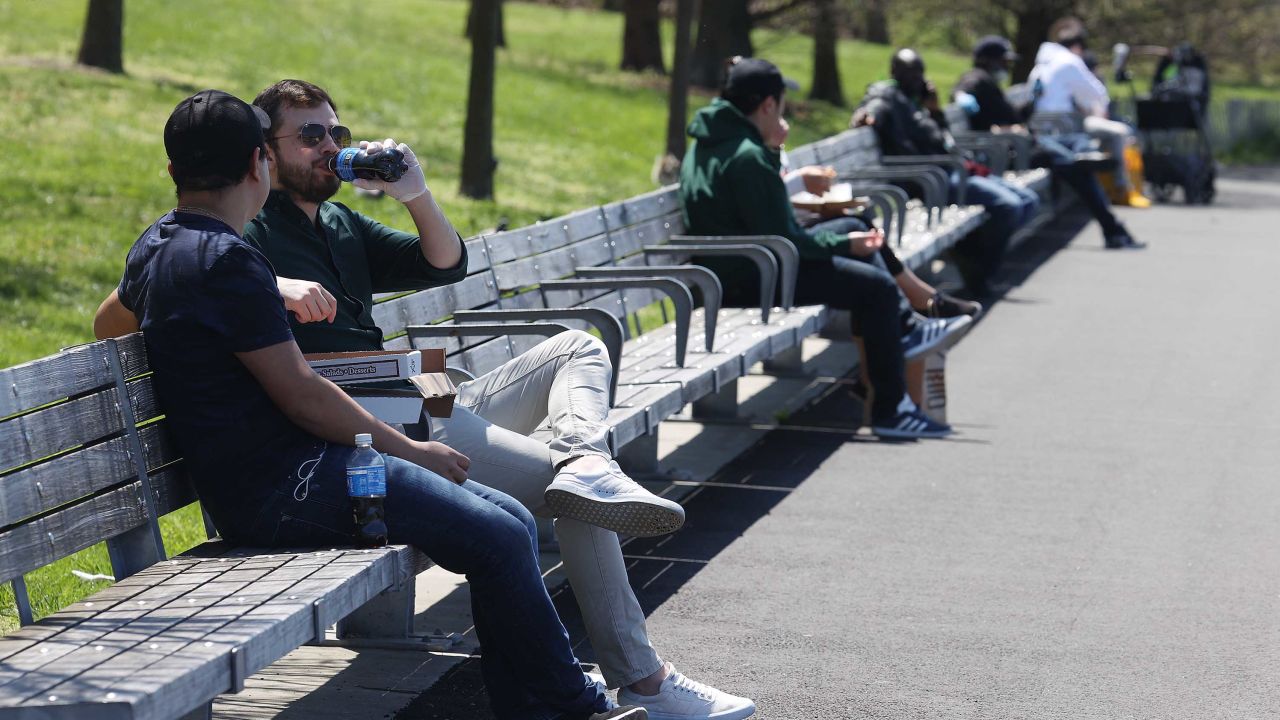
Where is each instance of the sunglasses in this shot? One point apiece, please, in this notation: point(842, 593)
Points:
point(312, 134)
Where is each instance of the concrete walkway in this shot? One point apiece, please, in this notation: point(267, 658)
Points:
point(1101, 540)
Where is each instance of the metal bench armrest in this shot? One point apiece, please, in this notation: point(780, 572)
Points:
point(674, 289)
point(690, 275)
point(783, 249)
point(607, 325)
point(764, 260)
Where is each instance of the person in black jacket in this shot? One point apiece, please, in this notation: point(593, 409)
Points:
point(978, 93)
point(907, 120)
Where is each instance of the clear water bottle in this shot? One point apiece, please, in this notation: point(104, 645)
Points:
point(350, 163)
point(367, 488)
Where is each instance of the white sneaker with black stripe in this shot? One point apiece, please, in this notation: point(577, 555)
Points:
point(910, 424)
point(932, 334)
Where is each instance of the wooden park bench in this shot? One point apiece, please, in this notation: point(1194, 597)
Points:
point(85, 458)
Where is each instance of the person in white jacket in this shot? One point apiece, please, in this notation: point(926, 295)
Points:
point(1062, 83)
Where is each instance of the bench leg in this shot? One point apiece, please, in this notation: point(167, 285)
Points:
point(132, 551)
point(204, 712)
point(389, 615)
point(787, 361)
point(640, 456)
point(720, 405)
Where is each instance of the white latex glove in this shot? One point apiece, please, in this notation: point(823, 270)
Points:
point(410, 185)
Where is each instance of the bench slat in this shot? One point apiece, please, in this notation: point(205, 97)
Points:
point(74, 371)
point(62, 533)
point(642, 207)
point(192, 659)
point(429, 306)
point(526, 241)
point(552, 265)
point(32, 437)
point(48, 485)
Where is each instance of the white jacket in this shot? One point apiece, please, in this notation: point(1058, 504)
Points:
point(1066, 84)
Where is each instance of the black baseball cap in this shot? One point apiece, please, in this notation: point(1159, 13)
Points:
point(994, 47)
point(213, 134)
point(754, 77)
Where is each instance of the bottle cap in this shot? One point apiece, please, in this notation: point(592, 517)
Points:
point(364, 439)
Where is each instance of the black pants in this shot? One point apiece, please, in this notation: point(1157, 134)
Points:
point(881, 315)
point(1060, 160)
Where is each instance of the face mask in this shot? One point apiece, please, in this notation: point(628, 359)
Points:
point(1001, 76)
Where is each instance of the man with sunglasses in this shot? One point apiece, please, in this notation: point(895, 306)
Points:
point(308, 238)
point(267, 440)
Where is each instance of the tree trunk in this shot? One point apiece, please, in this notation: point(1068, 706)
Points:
point(478, 162)
point(877, 22)
point(502, 31)
point(724, 30)
point(641, 36)
point(1033, 22)
point(678, 96)
point(826, 66)
point(102, 44)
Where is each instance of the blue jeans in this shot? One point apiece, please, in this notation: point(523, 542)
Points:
point(1008, 207)
point(528, 666)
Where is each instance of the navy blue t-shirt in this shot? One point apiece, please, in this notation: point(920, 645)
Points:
point(202, 294)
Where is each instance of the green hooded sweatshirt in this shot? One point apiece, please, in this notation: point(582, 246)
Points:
point(730, 184)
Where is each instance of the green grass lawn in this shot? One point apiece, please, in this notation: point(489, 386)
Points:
point(86, 166)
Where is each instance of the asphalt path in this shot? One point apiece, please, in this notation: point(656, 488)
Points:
point(1099, 541)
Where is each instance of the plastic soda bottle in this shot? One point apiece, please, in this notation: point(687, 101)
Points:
point(350, 163)
point(367, 488)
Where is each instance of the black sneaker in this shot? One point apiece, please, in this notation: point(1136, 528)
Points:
point(911, 425)
point(1122, 240)
point(942, 305)
point(933, 334)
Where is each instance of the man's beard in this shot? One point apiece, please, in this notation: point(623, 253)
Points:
point(305, 183)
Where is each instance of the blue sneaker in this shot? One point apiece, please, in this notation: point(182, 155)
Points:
point(934, 334)
point(911, 424)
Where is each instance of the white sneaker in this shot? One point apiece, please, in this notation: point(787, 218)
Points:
point(613, 501)
point(680, 698)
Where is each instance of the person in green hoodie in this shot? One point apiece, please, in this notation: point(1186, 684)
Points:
point(730, 184)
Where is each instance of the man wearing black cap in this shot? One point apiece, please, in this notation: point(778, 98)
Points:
point(267, 440)
point(730, 184)
point(986, 105)
point(978, 93)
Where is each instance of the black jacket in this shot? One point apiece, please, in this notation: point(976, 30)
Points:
point(993, 108)
point(902, 127)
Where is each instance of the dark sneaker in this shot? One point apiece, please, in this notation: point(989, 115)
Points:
point(626, 712)
point(934, 334)
point(942, 305)
point(911, 425)
point(1122, 240)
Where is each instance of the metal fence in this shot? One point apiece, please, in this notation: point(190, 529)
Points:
point(1231, 122)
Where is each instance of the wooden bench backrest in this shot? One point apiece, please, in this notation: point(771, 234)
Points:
point(72, 461)
point(849, 150)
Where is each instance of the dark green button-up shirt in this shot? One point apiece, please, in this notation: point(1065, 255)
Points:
point(353, 257)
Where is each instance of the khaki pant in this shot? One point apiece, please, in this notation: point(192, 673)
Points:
point(564, 380)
